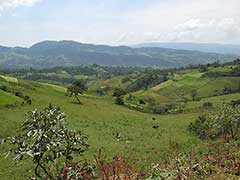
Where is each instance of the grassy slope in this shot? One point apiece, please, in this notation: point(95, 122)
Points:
point(216, 100)
point(184, 82)
point(100, 119)
point(9, 79)
point(113, 82)
point(8, 98)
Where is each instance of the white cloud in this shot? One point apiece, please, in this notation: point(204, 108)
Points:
point(108, 21)
point(214, 30)
point(222, 30)
point(11, 4)
point(185, 20)
point(194, 24)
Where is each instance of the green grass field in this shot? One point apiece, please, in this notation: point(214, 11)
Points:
point(9, 79)
point(180, 87)
point(9, 99)
point(101, 119)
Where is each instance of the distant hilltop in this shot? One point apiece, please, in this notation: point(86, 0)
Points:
point(203, 47)
point(48, 54)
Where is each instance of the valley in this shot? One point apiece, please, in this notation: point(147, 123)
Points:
point(150, 124)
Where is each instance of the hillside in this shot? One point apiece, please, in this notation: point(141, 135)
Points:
point(100, 119)
point(187, 89)
point(69, 53)
point(130, 130)
point(203, 47)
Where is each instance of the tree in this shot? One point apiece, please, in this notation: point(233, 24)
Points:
point(45, 138)
point(141, 101)
point(119, 100)
point(119, 93)
point(77, 88)
point(194, 94)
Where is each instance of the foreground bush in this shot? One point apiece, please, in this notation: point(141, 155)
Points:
point(116, 169)
point(45, 138)
point(224, 122)
point(220, 161)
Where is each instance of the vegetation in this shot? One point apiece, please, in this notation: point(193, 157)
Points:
point(220, 160)
point(118, 94)
point(45, 138)
point(70, 53)
point(225, 122)
point(77, 88)
point(160, 131)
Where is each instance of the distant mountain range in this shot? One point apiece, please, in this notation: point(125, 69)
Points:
point(48, 54)
point(203, 47)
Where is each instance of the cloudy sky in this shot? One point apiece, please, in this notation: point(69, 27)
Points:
point(118, 22)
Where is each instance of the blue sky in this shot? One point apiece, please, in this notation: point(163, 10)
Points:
point(118, 22)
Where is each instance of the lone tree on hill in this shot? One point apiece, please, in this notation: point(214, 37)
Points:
point(119, 93)
point(77, 88)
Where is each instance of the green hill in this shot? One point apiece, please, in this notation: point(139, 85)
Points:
point(48, 54)
point(180, 87)
point(100, 119)
point(204, 47)
point(144, 137)
point(8, 99)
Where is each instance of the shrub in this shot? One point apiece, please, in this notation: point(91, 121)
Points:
point(19, 94)
point(45, 138)
point(147, 80)
point(116, 169)
point(227, 90)
point(220, 161)
point(194, 94)
point(119, 93)
point(103, 90)
point(235, 103)
point(100, 92)
point(126, 79)
point(131, 97)
point(119, 100)
point(207, 105)
point(150, 100)
point(3, 87)
point(167, 109)
point(141, 101)
point(223, 122)
point(28, 99)
point(200, 127)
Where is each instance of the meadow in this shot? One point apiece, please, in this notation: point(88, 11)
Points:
point(101, 120)
point(116, 130)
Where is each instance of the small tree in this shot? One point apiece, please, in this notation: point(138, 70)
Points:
point(45, 138)
point(119, 100)
point(119, 93)
point(194, 95)
point(77, 88)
